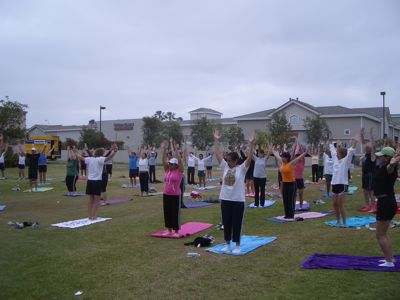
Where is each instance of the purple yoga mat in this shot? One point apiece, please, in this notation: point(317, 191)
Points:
point(348, 262)
point(304, 207)
point(198, 204)
point(187, 229)
point(115, 201)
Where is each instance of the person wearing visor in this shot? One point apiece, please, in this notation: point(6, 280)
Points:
point(384, 178)
point(173, 168)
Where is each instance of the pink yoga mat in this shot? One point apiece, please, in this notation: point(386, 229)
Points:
point(187, 229)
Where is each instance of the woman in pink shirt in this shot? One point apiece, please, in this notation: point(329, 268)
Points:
point(173, 168)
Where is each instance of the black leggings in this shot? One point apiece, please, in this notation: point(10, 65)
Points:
point(152, 170)
point(289, 190)
point(171, 205)
point(314, 172)
point(144, 181)
point(70, 181)
point(232, 219)
point(259, 186)
point(320, 172)
point(190, 175)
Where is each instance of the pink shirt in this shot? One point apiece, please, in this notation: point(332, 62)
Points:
point(172, 182)
point(299, 169)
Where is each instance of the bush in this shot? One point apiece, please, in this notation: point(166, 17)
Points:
point(11, 159)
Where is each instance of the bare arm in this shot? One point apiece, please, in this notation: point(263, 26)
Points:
point(114, 150)
point(298, 158)
point(277, 156)
point(164, 147)
point(177, 155)
point(394, 161)
point(249, 158)
point(217, 146)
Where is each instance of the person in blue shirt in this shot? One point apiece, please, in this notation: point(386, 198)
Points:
point(43, 164)
point(152, 166)
point(133, 168)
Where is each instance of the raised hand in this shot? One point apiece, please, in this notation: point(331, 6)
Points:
point(252, 138)
point(217, 134)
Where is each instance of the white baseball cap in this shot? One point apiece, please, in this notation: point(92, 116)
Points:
point(173, 161)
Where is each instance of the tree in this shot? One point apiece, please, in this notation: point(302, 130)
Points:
point(172, 129)
point(279, 129)
point(69, 142)
point(316, 130)
point(12, 116)
point(168, 116)
point(202, 134)
point(261, 138)
point(93, 138)
point(152, 130)
point(232, 137)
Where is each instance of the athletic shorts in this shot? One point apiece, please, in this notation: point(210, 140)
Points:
point(209, 167)
point(386, 208)
point(83, 165)
point(104, 182)
point(43, 169)
point(109, 169)
point(33, 174)
point(249, 176)
point(2, 166)
point(133, 173)
point(338, 188)
point(21, 167)
point(93, 187)
point(300, 183)
point(328, 178)
point(367, 181)
point(201, 174)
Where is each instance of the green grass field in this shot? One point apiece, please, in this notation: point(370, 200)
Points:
point(118, 259)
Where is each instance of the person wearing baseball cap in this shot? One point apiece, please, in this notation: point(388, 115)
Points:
point(384, 180)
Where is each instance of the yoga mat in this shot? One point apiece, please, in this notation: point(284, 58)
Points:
point(356, 221)
point(155, 194)
point(39, 190)
point(305, 206)
point(187, 229)
point(306, 215)
point(209, 187)
point(348, 262)
point(198, 204)
point(79, 223)
point(75, 195)
point(328, 195)
point(352, 189)
point(128, 186)
point(115, 201)
point(2, 207)
point(247, 244)
point(214, 179)
point(267, 203)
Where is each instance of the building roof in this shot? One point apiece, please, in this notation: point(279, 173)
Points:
point(256, 115)
point(334, 110)
point(374, 111)
point(56, 127)
point(206, 111)
point(223, 121)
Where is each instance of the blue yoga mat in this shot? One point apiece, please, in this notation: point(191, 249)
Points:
point(267, 203)
point(357, 221)
point(75, 195)
point(352, 189)
point(2, 207)
point(247, 244)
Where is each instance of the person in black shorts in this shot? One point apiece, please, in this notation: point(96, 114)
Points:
point(33, 170)
point(384, 179)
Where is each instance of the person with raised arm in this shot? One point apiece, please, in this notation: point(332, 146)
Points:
point(384, 179)
point(3, 148)
point(341, 163)
point(209, 165)
point(95, 166)
point(43, 164)
point(314, 165)
point(21, 160)
point(173, 168)
point(153, 164)
point(289, 186)
point(133, 167)
point(190, 166)
point(72, 171)
point(249, 180)
point(328, 170)
point(299, 170)
point(201, 169)
point(259, 176)
point(232, 193)
point(368, 165)
point(143, 166)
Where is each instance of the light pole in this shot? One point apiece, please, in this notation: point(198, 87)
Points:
point(383, 114)
point(101, 108)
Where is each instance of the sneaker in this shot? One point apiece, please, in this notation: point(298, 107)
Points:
point(384, 260)
point(387, 264)
point(227, 248)
point(236, 250)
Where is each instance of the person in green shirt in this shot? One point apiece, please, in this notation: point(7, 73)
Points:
point(72, 172)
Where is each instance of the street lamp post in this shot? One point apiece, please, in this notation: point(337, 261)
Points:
point(101, 108)
point(383, 114)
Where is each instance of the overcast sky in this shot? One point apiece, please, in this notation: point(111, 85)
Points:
point(65, 58)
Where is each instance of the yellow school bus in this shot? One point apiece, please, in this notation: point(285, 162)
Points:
point(47, 142)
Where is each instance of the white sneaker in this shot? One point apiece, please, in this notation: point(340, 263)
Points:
point(227, 248)
point(387, 264)
point(236, 250)
point(384, 260)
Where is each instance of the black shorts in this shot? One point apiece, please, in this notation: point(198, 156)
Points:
point(249, 176)
point(386, 208)
point(43, 169)
point(93, 187)
point(21, 167)
point(104, 182)
point(328, 178)
point(368, 181)
point(209, 167)
point(338, 188)
point(201, 174)
point(300, 183)
point(83, 165)
point(2, 166)
point(33, 174)
point(133, 173)
point(109, 169)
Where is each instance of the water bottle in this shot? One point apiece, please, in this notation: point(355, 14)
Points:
point(192, 254)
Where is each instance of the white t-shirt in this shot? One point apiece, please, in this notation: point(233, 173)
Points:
point(340, 167)
point(143, 165)
point(2, 158)
point(328, 164)
point(259, 167)
point(201, 162)
point(191, 161)
point(233, 187)
point(94, 166)
point(21, 160)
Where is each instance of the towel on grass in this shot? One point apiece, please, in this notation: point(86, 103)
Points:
point(267, 203)
point(79, 223)
point(2, 207)
point(306, 215)
point(352, 189)
point(247, 244)
point(348, 262)
point(208, 187)
point(356, 221)
point(115, 201)
point(39, 190)
point(214, 179)
point(187, 229)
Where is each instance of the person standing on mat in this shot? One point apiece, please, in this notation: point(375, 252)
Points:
point(367, 170)
point(133, 168)
point(143, 165)
point(260, 179)
point(341, 162)
point(72, 171)
point(3, 148)
point(95, 166)
point(299, 171)
point(209, 165)
point(33, 168)
point(21, 161)
point(152, 165)
point(384, 179)
point(201, 169)
point(232, 193)
point(190, 167)
point(314, 166)
point(289, 186)
point(43, 164)
point(173, 168)
point(328, 170)
point(249, 180)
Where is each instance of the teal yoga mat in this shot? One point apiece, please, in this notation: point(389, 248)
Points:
point(351, 222)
